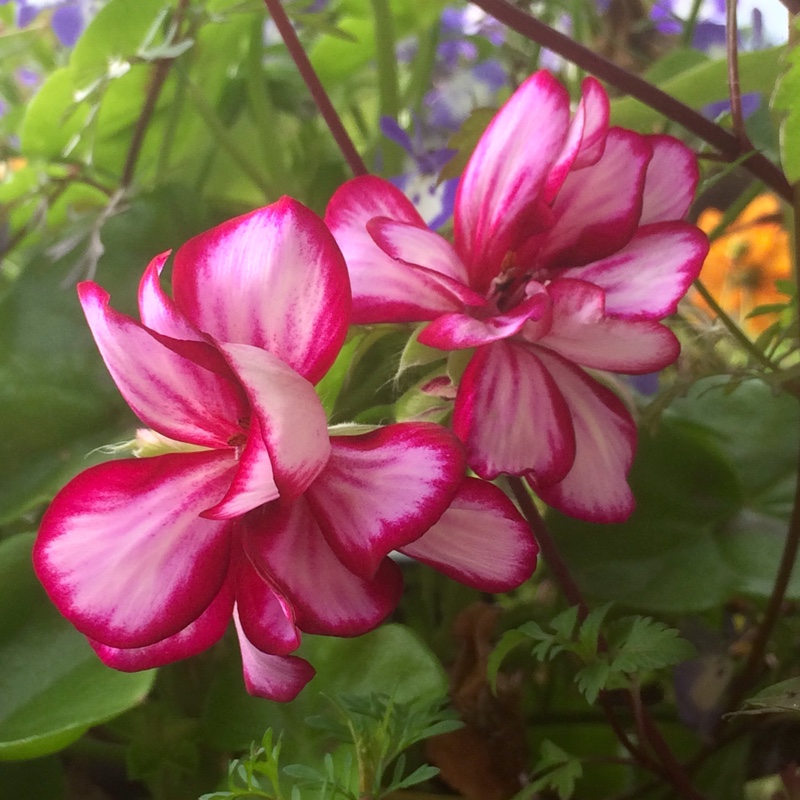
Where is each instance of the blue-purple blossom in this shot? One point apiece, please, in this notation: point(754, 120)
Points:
point(69, 17)
point(433, 200)
point(750, 104)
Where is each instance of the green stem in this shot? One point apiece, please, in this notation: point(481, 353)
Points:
point(423, 69)
point(262, 109)
point(250, 167)
point(388, 83)
point(735, 331)
point(687, 34)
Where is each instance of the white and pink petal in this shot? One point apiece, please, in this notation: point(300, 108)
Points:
point(196, 637)
point(383, 489)
point(385, 289)
point(273, 279)
point(157, 310)
point(123, 552)
point(586, 137)
point(253, 483)
point(582, 332)
point(648, 277)
point(481, 540)
point(290, 418)
point(273, 677)
point(265, 616)
point(597, 210)
point(501, 185)
point(671, 180)
point(512, 416)
point(287, 546)
point(169, 392)
point(596, 488)
point(460, 331)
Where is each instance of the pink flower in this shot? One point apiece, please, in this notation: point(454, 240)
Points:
point(568, 251)
point(252, 509)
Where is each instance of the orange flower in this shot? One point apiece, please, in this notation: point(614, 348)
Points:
point(743, 264)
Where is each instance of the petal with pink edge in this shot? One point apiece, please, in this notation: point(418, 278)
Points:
point(273, 677)
point(415, 245)
point(287, 546)
point(157, 310)
point(384, 289)
point(123, 553)
point(481, 540)
point(384, 489)
point(647, 277)
point(265, 616)
point(461, 331)
point(166, 391)
point(273, 279)
point(672, 177)
point(583, 333)
point(586, 137)
point(596, 488)
point(254, 482)
point(598, 208)
point(510, 413)
point(198, 636)
point(290, 417)
point(506, 173)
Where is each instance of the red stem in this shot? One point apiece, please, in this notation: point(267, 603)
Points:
point(312, 81)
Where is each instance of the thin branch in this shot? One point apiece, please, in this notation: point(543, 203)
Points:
point(734, 89)
point(631, 84)
point(312, 81)
point(160, 73)
point(672, 769)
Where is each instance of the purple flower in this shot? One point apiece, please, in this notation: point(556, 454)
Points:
point(433, 200)
point(750, 103)
point(69, 16)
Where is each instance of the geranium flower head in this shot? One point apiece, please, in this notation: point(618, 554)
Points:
point(244, 505)
point(569, 249)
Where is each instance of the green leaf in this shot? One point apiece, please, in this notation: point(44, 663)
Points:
point(787, 98)
point(642, 643)
point(464, 141)
point(592, 678)
point(508, 642)
point(52, 685)
point(562, 771)
point(669, 556)
point(702, 84)
point(391, 660)
point(106, 45)
point(779, 698)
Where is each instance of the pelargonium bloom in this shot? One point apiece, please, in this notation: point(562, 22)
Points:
point(569, 250)
point(252, 509)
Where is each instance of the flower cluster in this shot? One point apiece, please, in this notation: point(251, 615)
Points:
point(245, 505)
point(569, 251)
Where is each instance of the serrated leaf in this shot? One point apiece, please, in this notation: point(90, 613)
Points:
point(589, 633)
point(643, 643)
point(564, 623)
point(508, 642)
point(779, 698)
point(592, 678)
point(562, 771)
